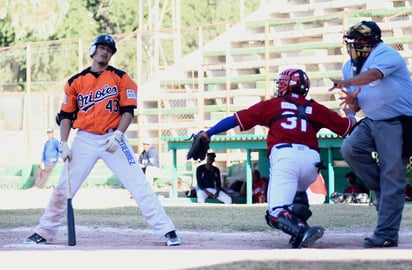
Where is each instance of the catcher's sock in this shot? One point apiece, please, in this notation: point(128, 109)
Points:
point(172, 239)
point(35, 239)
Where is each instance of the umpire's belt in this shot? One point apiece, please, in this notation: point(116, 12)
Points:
point(392, 119)
point(294, 145)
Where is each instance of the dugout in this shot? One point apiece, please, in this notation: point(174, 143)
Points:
point(329, 144)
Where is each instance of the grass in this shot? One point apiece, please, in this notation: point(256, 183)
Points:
point(213, 217)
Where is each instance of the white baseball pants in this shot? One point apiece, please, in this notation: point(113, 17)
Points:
point(87, 149)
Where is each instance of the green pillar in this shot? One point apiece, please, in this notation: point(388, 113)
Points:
point(174, 176)
point(248, 177)
point(331, 175)
point(264, 165)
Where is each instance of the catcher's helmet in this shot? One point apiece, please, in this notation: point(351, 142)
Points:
point(361, 38)
point(292, 80)
point(102, 39)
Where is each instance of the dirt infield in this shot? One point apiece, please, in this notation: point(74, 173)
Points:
point(109, 248)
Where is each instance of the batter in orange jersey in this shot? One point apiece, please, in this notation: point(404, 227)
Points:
point(99, 95)
point(99, 103)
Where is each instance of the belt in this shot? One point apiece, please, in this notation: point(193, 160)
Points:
point(110, 130)
point(289, 145)
point(392, 119)
point(285, 145)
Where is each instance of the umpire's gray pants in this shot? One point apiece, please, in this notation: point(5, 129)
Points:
point(387, 177)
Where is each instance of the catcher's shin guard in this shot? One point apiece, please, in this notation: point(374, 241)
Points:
point(301, 211)
point(287, 222)
point(302, 234)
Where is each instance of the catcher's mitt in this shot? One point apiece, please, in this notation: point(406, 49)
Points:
point(199, 147)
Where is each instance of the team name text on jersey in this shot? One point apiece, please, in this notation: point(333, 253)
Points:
point(85, 102)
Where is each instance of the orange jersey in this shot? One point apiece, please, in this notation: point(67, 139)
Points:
point(97, 99)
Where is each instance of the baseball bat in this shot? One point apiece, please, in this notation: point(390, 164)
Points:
point(71, 233)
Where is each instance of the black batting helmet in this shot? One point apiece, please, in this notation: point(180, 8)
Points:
point(102, 39)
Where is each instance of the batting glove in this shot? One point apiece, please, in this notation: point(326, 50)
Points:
point(113, 141)
point(65, 152)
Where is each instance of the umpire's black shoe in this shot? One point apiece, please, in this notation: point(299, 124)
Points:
point(378, 242)
point(35, 239)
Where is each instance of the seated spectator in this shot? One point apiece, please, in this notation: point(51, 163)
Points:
point(236, 189)
point(354, 187)
point(259, 188)
point(209, 184)
point(149, 162)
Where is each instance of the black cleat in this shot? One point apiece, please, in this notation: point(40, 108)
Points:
point(310, 236)
point(35, 239)
point(172, 239)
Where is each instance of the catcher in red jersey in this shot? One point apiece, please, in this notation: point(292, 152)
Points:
point(293, 150)
point(99, 103)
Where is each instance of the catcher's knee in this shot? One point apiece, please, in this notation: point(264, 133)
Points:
point(301, 211)
point(301, 197)
point(300, 206)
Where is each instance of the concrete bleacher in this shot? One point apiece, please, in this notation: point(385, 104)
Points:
point(16, 176)
point(244, 61)
point(21, 176)
point(239, 67)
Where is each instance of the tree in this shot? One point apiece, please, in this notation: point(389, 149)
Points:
point(210, 12)
point(33, 20)
point(71, 20)
point(119, 16)
point(78, 22)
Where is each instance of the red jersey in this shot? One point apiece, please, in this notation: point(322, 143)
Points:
point(98, 98)
point(259, 189)
point(292, 129)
